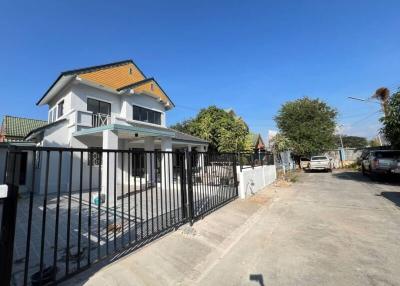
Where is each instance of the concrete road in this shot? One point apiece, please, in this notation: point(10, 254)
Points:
point(327, 229)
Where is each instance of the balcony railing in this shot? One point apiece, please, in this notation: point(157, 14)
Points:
point(99, 119)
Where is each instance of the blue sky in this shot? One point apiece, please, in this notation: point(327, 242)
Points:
point(247, 55)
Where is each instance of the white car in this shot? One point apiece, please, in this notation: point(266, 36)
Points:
point(320, 163)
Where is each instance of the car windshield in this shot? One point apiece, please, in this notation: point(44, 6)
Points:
point(390, 154)
point(319, 158)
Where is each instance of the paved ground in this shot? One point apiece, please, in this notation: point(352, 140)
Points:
point(327, 229)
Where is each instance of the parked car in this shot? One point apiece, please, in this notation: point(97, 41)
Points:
point(381, 162)
point(304, 162)
point(320, 163)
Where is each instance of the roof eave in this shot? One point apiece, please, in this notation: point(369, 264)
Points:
point(58, 85)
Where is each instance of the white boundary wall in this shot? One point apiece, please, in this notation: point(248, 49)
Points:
point(253, 180)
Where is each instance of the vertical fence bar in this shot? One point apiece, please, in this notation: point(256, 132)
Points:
point(122, 199)
point(80, 209)
point(235, 180)
point(57, 210)
point(183, 185)
point(28, 237)
point(129, 197)
point(9, 217)
point(165, 192)
point(156, 182)
point(42, 241)
point(146, 178)
point(99, 201)
point(91, 162)
point(190, 185)
point(115, 201)
point(169, 187)
point(107, 202)
point(67, 252)
point(151, 191)
point(141, 195)
point(134, 190)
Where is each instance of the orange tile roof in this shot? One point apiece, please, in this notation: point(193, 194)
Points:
point(114, 77)
point(118, 76)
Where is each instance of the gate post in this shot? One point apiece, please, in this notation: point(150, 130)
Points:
point(190, 204)
point(8, 221)
point(235, 174)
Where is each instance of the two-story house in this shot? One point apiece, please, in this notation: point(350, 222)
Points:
point(113, 106)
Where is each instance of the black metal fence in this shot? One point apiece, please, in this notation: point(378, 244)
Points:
point(67, 209)
point(255, 159)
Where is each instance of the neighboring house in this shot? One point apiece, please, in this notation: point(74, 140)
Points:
point(258, 142)
point(113, 106)
point(15, 129)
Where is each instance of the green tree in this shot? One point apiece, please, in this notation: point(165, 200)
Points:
point(225, 131)
point(374, 142)
point(351, 141)
point(391, 120)
point(309, 124)
point(281, 143)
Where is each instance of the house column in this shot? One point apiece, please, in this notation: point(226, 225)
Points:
point(166, 162)
point(150, 159)
point(110, 141)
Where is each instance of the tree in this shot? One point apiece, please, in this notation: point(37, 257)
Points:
point(351, 141)
point(225, 131)
point(280, 143)
point(374, 142)
point(309, 124)
point(391, 120)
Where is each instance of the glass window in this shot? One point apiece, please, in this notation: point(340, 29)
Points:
point(60, 109)
point(105, 107)
point(146, 115)
point(97, 106)
point(136, 112)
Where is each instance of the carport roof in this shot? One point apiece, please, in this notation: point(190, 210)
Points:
point(134, 127)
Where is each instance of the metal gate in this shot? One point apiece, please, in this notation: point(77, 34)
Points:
point(67, 209)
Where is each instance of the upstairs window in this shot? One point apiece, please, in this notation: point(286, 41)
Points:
point(60, 110)
point(53, 114)
point(97, 106)
point(146, 115)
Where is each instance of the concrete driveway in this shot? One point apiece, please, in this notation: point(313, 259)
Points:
point(327, 229)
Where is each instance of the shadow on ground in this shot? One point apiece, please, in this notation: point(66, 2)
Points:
point(394, 197)
point(257, 278)
point(357, 176)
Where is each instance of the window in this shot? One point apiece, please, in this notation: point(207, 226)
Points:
point(94, 157)
point(53, 114)
point(60, 111)
point(97, 106)
point(146, 115)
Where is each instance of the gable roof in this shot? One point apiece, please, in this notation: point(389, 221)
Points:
point(18, 127)
point(116, 76)
point(257, 140)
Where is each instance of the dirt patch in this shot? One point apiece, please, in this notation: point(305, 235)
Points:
point(282, 183)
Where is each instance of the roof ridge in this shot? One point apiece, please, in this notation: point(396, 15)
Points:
point(97, 67)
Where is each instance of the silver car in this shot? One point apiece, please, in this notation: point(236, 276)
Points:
point(320, 163)
point(381, 162)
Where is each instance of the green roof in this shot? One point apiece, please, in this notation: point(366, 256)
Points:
point(18, 127)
